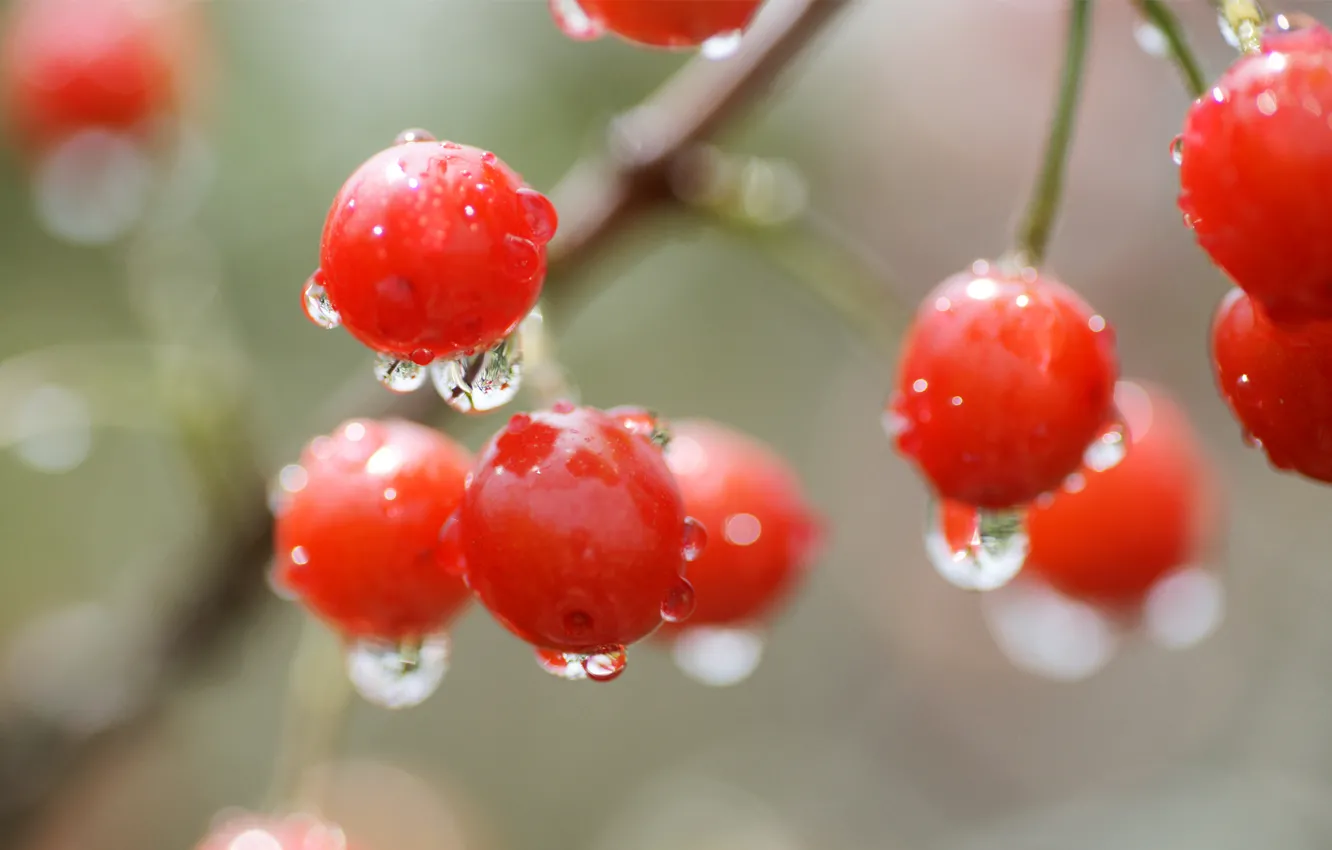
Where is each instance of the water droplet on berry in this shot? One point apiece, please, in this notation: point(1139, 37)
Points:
point(574, 22)
point(448, 550)
point(1107, 450)
point(679, 604)
point(480, 382)
point(1177, 150)
point(1184, 608)
point(722, 46)
point(415, 134)
point(397, 675)
point(1047, 634)
point(717, 656)
point(563, 406)
point(93, 188)
point(400, 376)
point(562, 665)
point(318, 306)
point(423, 357)
point(539, 213)
point(605, 664)
point(1247, 437)
point(1151, 40)
point(985, 555)
point(695, 539)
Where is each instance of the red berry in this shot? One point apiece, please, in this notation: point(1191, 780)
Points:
point(433, 249)
point(572, 531)
point(1256, 174)
point(1111, 535)
point(763, 533)
point(72, 65)
point(252, 832)
point(646, 423)
point(1277, 380)
point(359, 524)
point(1004, 382)
point(655, 23)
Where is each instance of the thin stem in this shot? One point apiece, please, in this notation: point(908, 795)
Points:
point(1034, 233)
point(1245, 19)
point(1159, 15)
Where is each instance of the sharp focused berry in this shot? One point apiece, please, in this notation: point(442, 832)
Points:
point(433, 249)
point(1256, 173)
point(358, 524)
point(572, 533)
point(1004, 382)
point(1277, 380)
point(655, 23)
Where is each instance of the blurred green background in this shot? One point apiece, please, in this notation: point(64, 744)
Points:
point(884, 716)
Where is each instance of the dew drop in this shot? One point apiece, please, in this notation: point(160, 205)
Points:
point(563, 406)
point(449, 548)
point(562, 665)
point(1151, 40)
point(400, 376)
point(415, 134)
point(540, 214)
point(1177, 150)
point(695, 539)
point(990, 549)
point(1047, 634)
point(397, 675)
point(574, 22)
point(423, 357)
point(1107, 450)
point(318, 306)
point(480, 382)
point(679, 603)
point(717, 656)
point(606, 664)
point(722, 46)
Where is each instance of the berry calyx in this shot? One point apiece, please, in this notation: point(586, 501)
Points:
point(1256, 174)
point(1277, 380)
point(763, 532)
point(433, 249)
point(572, 532)
point(358, 524)
point(1005, 380)
point(655, 23)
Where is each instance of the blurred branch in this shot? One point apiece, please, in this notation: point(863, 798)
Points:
point(1158, 14)
point(597, 200)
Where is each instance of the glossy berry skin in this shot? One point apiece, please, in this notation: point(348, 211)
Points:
point(1256, 176)
point(72, 65)
point(270, 833)
point(665, 23)
point(572, 530)
point(357, 541)
point(1111, 536)
point(432, 249)
point(763, 534)
point(1003, 382)
point(1277, 380)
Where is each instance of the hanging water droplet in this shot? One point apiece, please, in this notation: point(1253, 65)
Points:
point(397, 675)
point(679, 603)
point(540, 214)
point(574, 22)
point(1107, 450)
point(1177, 150)
point(722, 46)
point(695, 539)
point(562, 665)
point(401, 376)
point(481, 382)
point(1184, 608)
point(984, 555)
point(318, 306)
point(415, 134)
point(606, 664)
point(1151, 40)
point(717, 656)
point(1047, 634)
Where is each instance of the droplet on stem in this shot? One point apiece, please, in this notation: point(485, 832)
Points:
point(976, 548)
point(397, 675)
point(722, 46)
point(400, 376)
point(1151, 40)
point(318, 306)
point(480, 382)
point(718, 656)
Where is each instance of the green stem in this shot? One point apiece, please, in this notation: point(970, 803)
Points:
point(1034, 233)
point(1245, 18)
point(1159, 15)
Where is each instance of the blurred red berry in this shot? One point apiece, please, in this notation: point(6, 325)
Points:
point(1109, 536)
point(72, 65)
point(1256, 174)
point(253, 832)
point(1004, 382)
point(573, 531)
point(1277, 380)
point(655, 23)
point(433, 249)
point(763, 533)
point(358, 525)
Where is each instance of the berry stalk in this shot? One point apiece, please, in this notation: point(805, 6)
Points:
point(1245, 19)
point(1038, 222)
point(1159, 15)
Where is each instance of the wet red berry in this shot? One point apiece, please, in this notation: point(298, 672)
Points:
point(656, 23)
point(1109, 536)
point(1277, 380)
point(1004, 381)
point(1256, 174)
point(72, 65)
point(573, 531)
point(358, 524)
point(763, 534)
point(253, 832)
point(432, 249)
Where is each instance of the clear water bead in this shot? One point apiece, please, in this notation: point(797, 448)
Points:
point(722, 46)
point(1107, 450)
point(393, 675)
point(318, 306)
point(718, 656)
point(605, 665)
point(1177, 150)
point(991, 554)
point(1151, 40)
point(695, 539)
point(480, 382)
point(679, 603)
point(414, 134)
point(573, 21)
point(562, 665)
point(400, 376)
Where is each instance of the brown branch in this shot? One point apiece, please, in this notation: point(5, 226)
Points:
point(598, 198)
